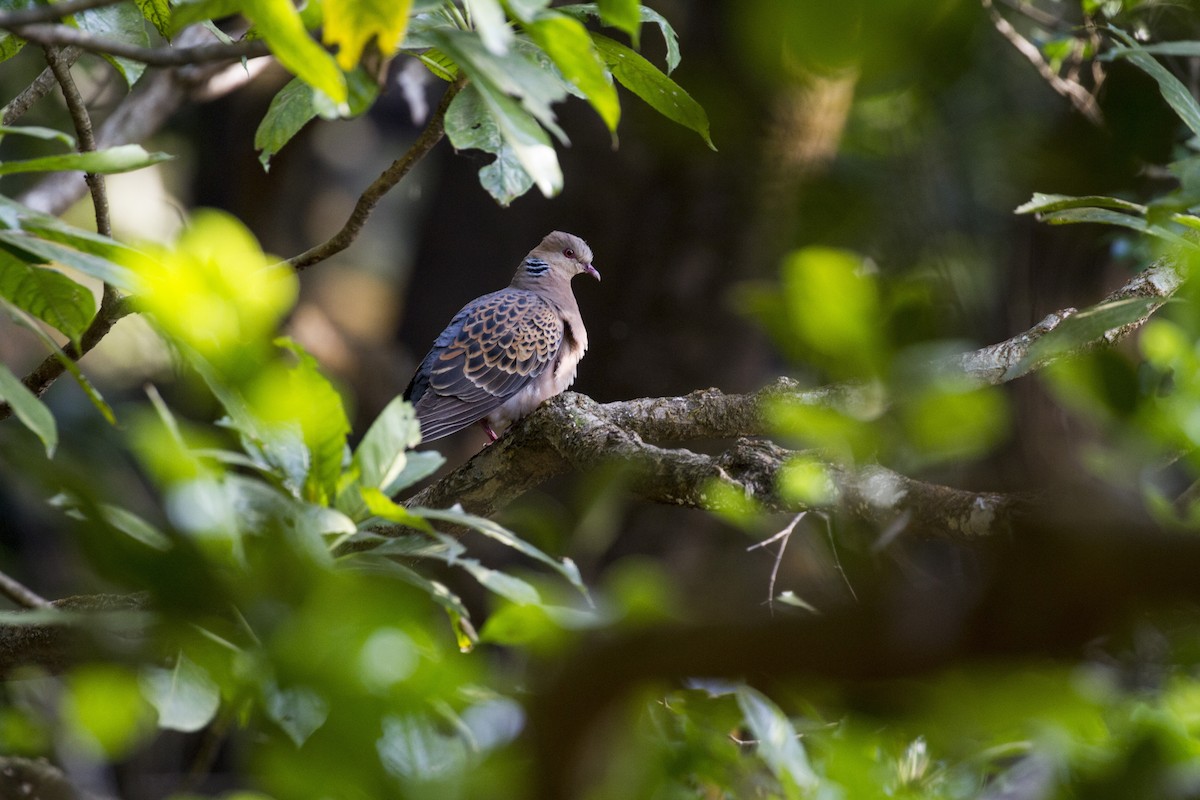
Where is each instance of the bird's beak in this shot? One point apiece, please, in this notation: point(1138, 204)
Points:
point(590, 270)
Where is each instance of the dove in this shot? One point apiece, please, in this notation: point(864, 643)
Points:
point(506, 352)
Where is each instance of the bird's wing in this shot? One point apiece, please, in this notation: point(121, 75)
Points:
point(490, 351)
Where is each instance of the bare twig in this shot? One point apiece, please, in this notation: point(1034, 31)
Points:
point(47, 13)
point(36, 90)
point(434, 130)
point(1083, 100)
point(783, 537)
point(83, 130)
point(49, 34)
point(21, 594)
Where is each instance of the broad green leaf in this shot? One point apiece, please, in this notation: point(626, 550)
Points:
point(418, 466)
point(44, 250)
point(526, 10)
point(488, 20)
point(350, 24)
point(15, 216)
point(38, 132)
point(158, 14)
point(419, 546)
point(470, 125)
point(660, 92)
point(778, 743)
point(456, 516)
point(1044, 203)
point(279, 23)
point(1173, 90)
point(10, 45)
point(582, 10)
point(567, 42)
point(623, 15)
point(507, 586)
point(437, 591)
point(185, 697)
point(134, 526)
point(122, 22)
point(22, 319)
point(122, 158)
point(383, 506)
point(30, 410)
point(47, 294)
point(262, 508)
point(297, 103)
point(526, 140)
point(189, 12)
point(1079, 329)
point(382, 455)
point(413, 750)
point(103, 704)
point(298, 710)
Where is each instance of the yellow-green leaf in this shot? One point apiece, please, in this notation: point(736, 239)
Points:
point(279, 23)
point(350, 24)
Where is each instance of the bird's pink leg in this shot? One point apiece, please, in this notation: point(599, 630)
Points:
point(487, 428)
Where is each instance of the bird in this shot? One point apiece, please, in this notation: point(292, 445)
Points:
point(506, 352)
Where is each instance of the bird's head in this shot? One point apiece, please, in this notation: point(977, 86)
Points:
point(561, 256)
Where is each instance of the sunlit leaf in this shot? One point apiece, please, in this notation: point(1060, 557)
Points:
point(38, 132)
point(189, 12)
point(382, 506)
point(382, 454)
point(487, 16)
point(157, 13)
point(43, 250)
point(29, 409)
point(122, 158)
point(350, 24)
point(1042, 203)
point(567, 42)
point(623, 15)
point(949, 423)
point(185, 697)
point(807, 480)
point(646, 81)
point(279, 23)
point(105, 709)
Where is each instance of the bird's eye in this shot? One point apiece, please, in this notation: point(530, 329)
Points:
point(569, 253)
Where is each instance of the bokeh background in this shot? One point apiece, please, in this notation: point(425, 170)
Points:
point(904, 130)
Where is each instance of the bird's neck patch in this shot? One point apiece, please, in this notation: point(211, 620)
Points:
point(535, 267)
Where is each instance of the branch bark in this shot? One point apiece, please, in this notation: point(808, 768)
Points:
point(574, 433)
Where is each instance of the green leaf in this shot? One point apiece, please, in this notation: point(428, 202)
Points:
point(526, 10)
point(31, 411)
point(623, 15)
point(437, 591)
point(471, 126)
point(185, 697)
point(297, 103)
point(43, 250)
point(583, 10)
point(1044, 203)
point(260, 508)
point(350, 24)
point(47, 294)
point(488, 20)
point(68, 363)
point(122, 158)
point(457, 516)
point(381, 456)
point(122, 22)
point(1172, 89)
point(778, 743)
point(298, 710)
point(1079, 329)
point(383, 506)
point(38, 132)
point(660, 92)
point(567, 42)
point(189, 12)
point(507, 586)
point(158, 14)
point(15, 216)
point(279, 23)
point(10, 45)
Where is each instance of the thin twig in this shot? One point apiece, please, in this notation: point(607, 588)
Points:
point(47, 13)
point(21, 594)
point(48, 34)
point(435, 129)
point(36, 90)
point(783, 537)
point(1080, 97)
point(83, 130)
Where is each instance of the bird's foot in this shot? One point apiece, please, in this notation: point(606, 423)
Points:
point(488, 430)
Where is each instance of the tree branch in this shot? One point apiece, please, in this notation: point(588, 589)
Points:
point(574, 433)
point(434, 130)
point(21, 594)
point(167, 56)
point(36, 90)
point(47, 13)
